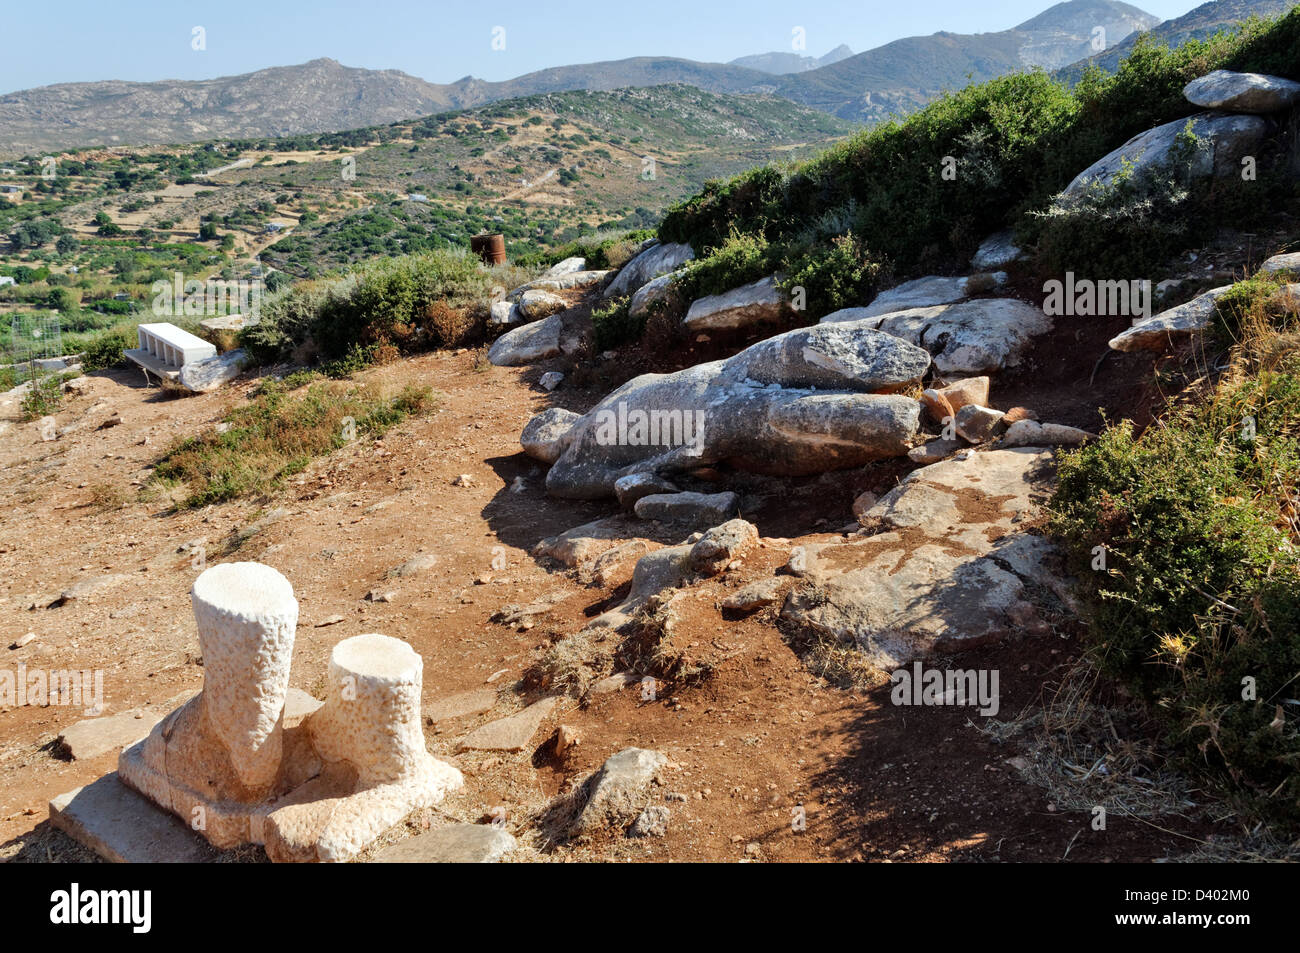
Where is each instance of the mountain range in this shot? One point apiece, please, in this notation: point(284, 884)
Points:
point(326, 96)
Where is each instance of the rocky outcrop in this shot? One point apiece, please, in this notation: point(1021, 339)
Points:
point(759, 302)
point(1165, 329)
point(654, 261)
point(971, 337)
point(1229, 136)
point(947, 569)
point(805, 401)
point(1242, 92)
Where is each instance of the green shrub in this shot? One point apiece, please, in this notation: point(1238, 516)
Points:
point(1199, 597)
point(740, 259)
point(612, 325)
point(43, 397)
point(406, 303)
point(922, 192)
point(105, 350)
point(276, 435)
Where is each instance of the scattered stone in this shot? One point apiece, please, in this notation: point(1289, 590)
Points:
point(566, 267)
point(463, 480)
point(564, 282)
point(1031, 433)
point(968, 390)
point(329, 620)
point(865, 501)
point(614, 683)
point(936, 405)
point(756, 595)
point(797, 403)
point(925, 293)
point(95, 736)
point(511, 733)
point(1166, 328)
point(652, 822)
point(506, 312)
point(758, 302)
point(566, 737)
point(414, 565)
point(22, 640)
point(978, 424)
point(78, 386)
point(1242, 92)
point(948, 569)
point(210, 373)
point(551, 380)
point(692, 508)
point(618, 792)
point(1282, 263)
point(715, 550)
point(635, 486)
point(86, 588)
point(652, 294)
point(381, 595)
point(48, 429)
point(453, 844)
point(474, 702)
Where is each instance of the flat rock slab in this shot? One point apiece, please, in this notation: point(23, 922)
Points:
point(453, 844)
point(511, 733)
point(928, 292)
point(755, 303)
point(1163, 330)
point(459, 705)
point(125, 828)
point(949, 569)
point(95, 736)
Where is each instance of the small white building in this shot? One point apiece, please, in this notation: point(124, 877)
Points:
point(7, 280)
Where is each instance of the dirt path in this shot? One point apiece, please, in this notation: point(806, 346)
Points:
point(751, 745)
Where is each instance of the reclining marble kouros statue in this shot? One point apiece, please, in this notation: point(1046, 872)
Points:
point(249, 760)
point(805, 401)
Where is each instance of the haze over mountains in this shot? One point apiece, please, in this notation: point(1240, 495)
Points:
point(326, 96)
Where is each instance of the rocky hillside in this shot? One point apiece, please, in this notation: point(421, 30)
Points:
point(1197, 24)
point(325, 96)
point(904, 75)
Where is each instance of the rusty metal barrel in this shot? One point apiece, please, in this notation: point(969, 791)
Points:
point(490, 248)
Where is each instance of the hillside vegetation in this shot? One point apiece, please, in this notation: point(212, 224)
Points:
point(882, 199)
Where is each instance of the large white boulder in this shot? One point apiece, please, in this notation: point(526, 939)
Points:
point(1242, 92)
point(654, 261)
point(1230, 137)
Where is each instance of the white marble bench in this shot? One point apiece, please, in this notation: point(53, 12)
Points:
point(164, 349)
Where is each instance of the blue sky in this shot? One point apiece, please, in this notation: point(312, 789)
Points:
point(82, 40)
